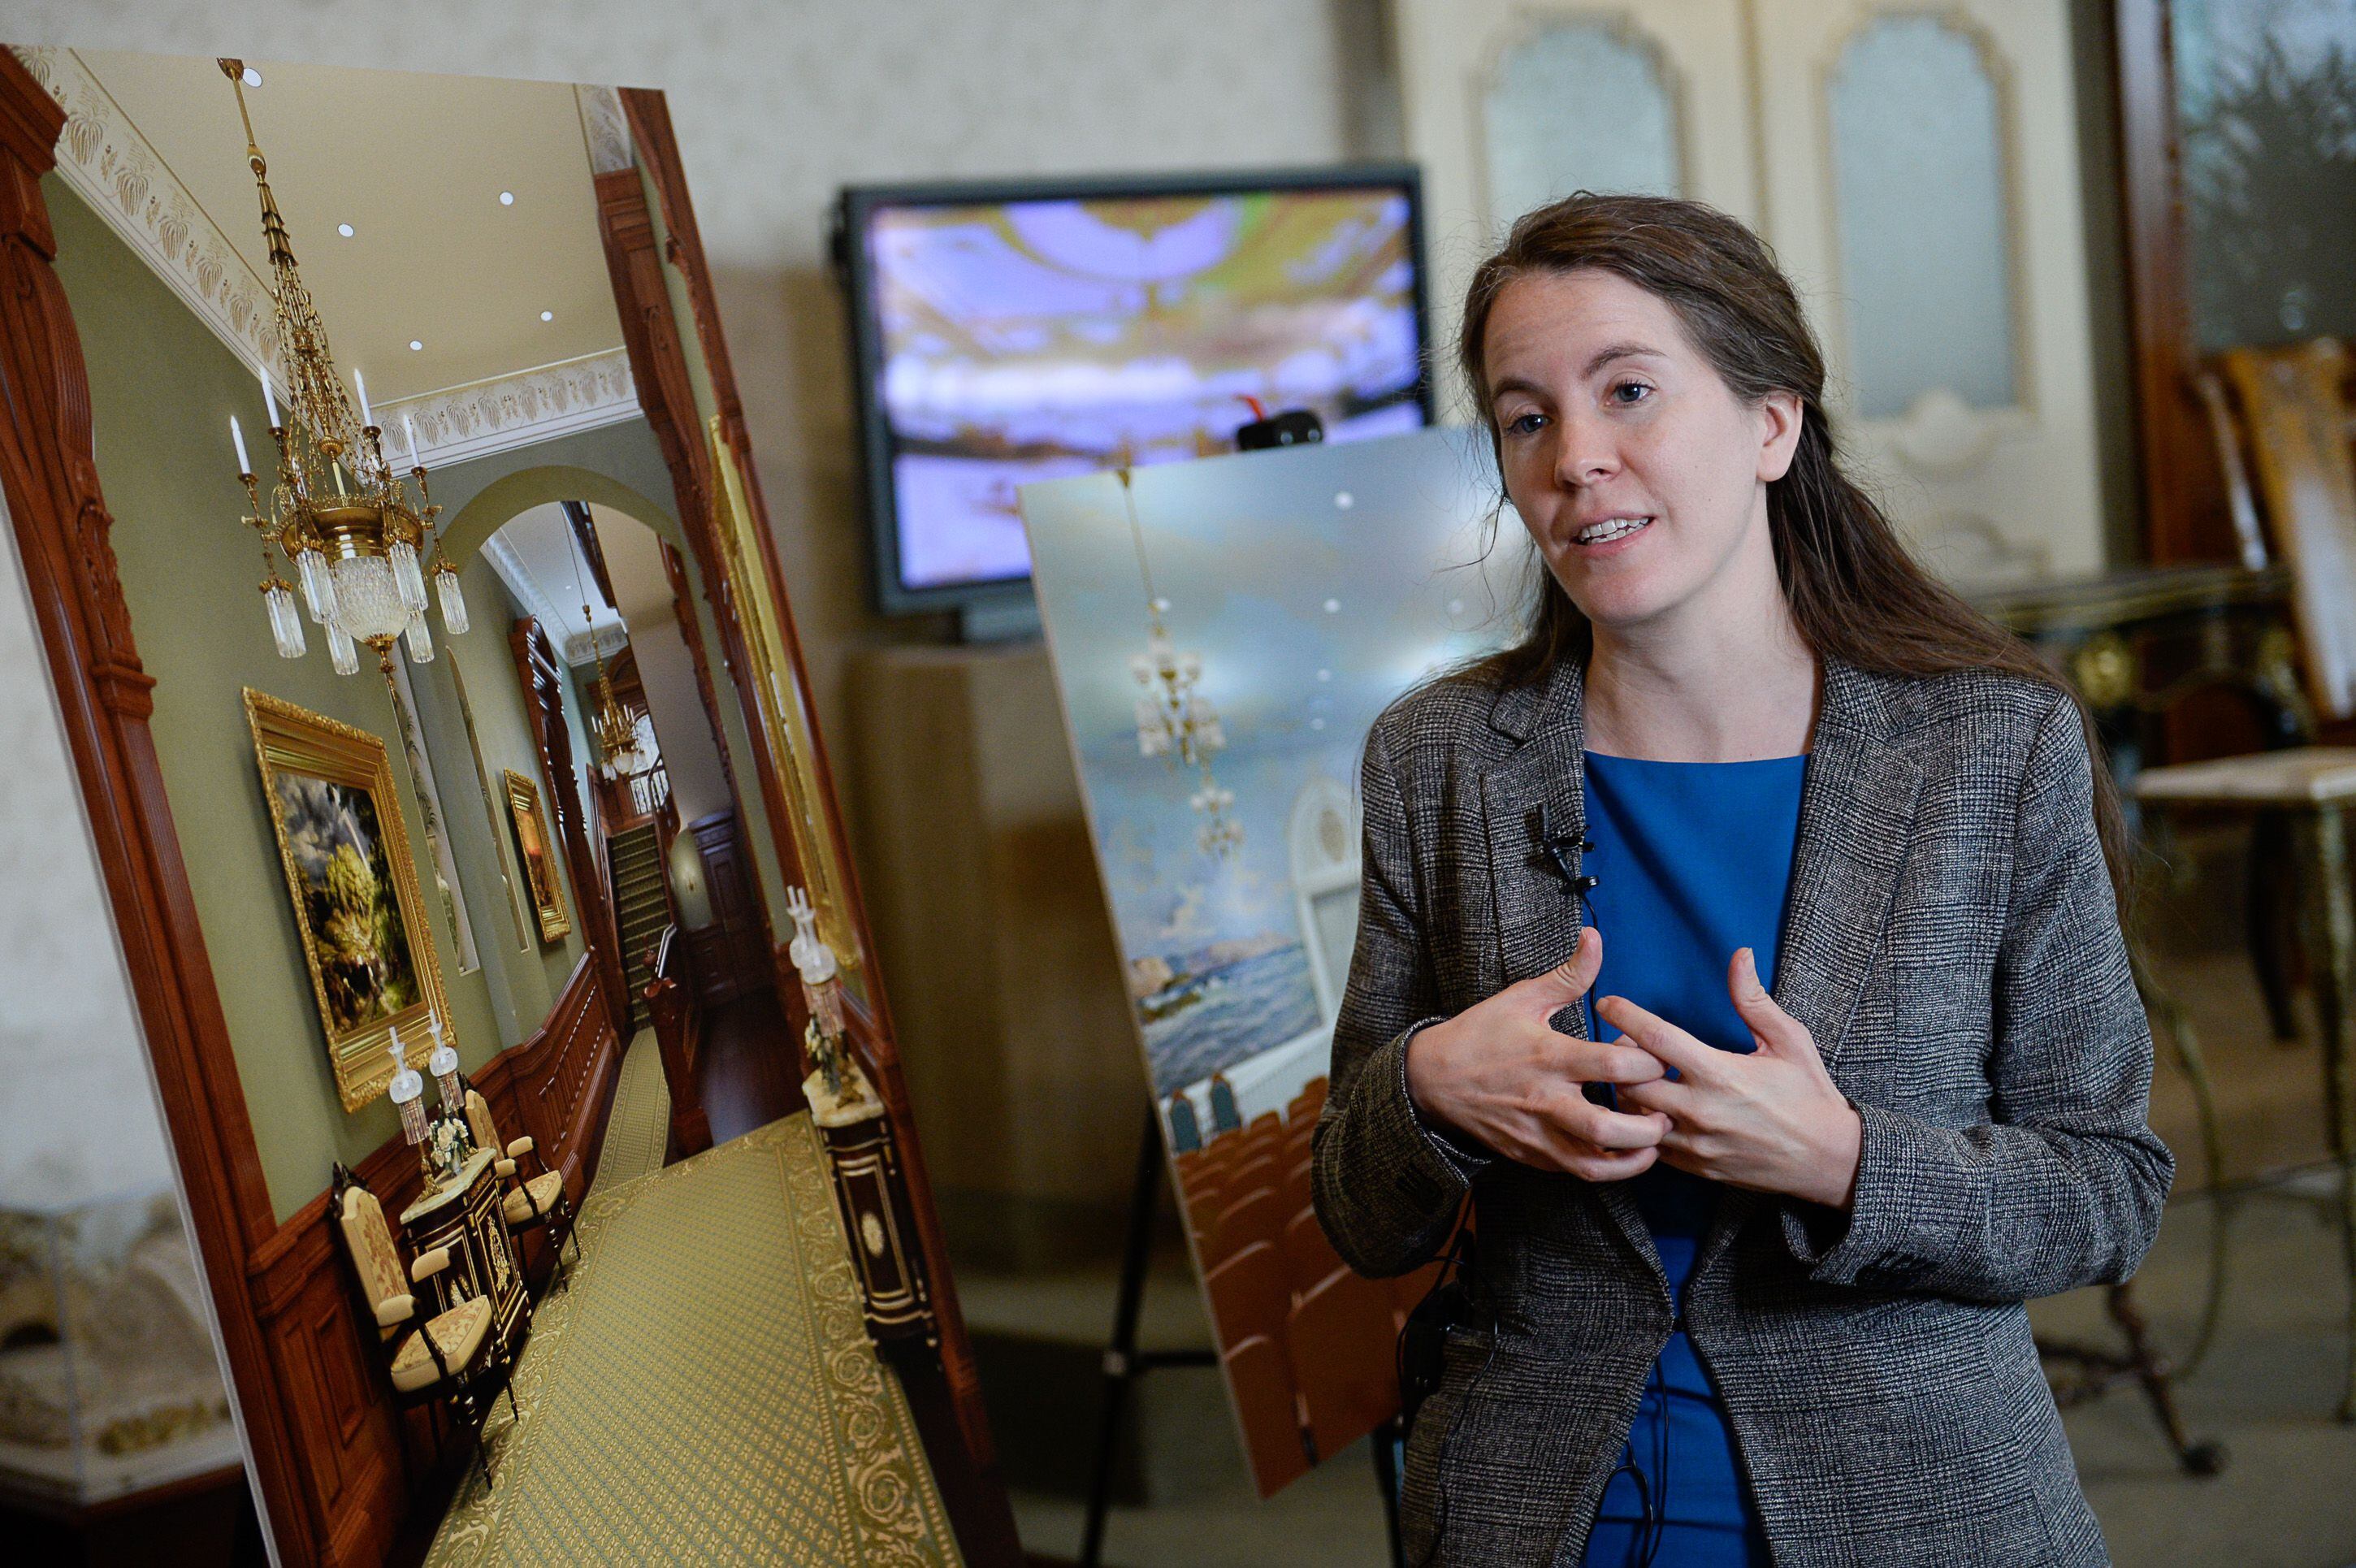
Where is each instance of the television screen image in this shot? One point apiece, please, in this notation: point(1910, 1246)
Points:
point(1012, 338)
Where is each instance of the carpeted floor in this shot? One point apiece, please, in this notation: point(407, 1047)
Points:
point(637, 1129)
point(704, 1389)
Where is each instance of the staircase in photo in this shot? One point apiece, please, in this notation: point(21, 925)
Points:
point(634, 864)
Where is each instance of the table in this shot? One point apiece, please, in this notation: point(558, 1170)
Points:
point(464, 1216)
point(2133, 643)
point(2314, 787)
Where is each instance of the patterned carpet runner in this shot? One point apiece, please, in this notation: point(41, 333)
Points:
point(703, 1390)
point(638, 1127)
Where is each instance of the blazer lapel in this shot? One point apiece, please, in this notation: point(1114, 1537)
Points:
point(1536, 793)
point(1857, 817)
point(1857, 803)
point(1539, 793)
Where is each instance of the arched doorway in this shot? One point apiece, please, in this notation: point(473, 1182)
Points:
point(605, 618)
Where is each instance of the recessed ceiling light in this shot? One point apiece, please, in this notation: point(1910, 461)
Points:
point(1333, 607)
point(548, 315)
point(414, 345)
point(507, 199)
point(251, 77)
point(345, 230)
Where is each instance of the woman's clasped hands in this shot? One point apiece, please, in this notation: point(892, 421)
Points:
point(1770, 1120)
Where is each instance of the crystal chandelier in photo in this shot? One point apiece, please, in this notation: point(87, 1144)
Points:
point(1174, 719)
point(618, 741)
point(361, 541)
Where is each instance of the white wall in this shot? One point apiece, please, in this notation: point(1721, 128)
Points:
point(78, 1113)
point(683, 728)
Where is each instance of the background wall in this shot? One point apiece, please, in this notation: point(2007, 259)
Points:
point(80, 1118)
point(681, 729)
point(525, 973)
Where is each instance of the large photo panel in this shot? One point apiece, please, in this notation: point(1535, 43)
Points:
point(1223, 634)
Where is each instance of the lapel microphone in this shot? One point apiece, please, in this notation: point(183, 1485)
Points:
point(1558, 847)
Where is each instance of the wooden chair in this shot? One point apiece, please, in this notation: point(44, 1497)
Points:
point(1260, 1170)
point(1309, 1257)
point(1299, 1191)
point(532, 1203)
point(1306, 1105)
point(1261, 1379)
point(1344, 1359)
point(1256, 1215)
point(2284, 440)
point(1203, 1206)
point(428, 1358)
point(1249, 1295)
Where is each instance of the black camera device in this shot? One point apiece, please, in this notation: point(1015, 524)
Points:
point(1422, 1343)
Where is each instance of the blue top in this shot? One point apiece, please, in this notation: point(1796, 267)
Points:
point(1692, 860)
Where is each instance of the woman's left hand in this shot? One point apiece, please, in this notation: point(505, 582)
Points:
point(1772, 1121)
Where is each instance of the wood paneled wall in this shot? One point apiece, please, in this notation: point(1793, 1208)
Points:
point(731, 955)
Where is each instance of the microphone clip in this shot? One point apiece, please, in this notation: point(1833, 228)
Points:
point(1558, 848)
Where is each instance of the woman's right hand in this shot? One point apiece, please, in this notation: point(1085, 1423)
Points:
point(1500, 1073)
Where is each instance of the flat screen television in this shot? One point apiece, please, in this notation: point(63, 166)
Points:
point(1010, 332)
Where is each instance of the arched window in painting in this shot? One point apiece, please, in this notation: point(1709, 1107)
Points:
point(1578, 105)
point(1921, 195)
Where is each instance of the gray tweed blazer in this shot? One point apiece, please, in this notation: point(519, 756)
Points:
point(1951, 940)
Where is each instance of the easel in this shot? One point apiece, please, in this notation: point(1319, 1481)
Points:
point(1124, 1362)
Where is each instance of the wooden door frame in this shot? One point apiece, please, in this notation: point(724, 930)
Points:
point(541, 675)
point(49, 474)
point(2176, 458)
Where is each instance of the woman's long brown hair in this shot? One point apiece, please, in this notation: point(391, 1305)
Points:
point(1856, 592)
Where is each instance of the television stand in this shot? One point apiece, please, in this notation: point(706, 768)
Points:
point(999, 620)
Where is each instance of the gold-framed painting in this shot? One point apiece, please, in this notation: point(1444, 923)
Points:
point(536, 852)
point(780, 695)
point(345, 849)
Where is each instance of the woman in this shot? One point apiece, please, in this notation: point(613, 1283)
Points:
point(1828, 857)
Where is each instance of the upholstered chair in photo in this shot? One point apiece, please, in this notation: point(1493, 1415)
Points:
point(428, 1358)
point(531, 1202)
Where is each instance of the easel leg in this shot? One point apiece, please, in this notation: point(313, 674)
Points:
point(1120, 1355)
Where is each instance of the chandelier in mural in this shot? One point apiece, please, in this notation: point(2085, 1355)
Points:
point(616, 730)
point(359, 539)
point(1175, 720)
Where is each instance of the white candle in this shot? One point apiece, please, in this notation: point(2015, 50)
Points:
point(410, 430)
point(270, 400)
point(244, 467)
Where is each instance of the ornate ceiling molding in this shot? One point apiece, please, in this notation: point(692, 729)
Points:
point(106, 161)
point(605, 129)
point(576, 646)
point(464, 423)
point(112, 167)
point(580, 647)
